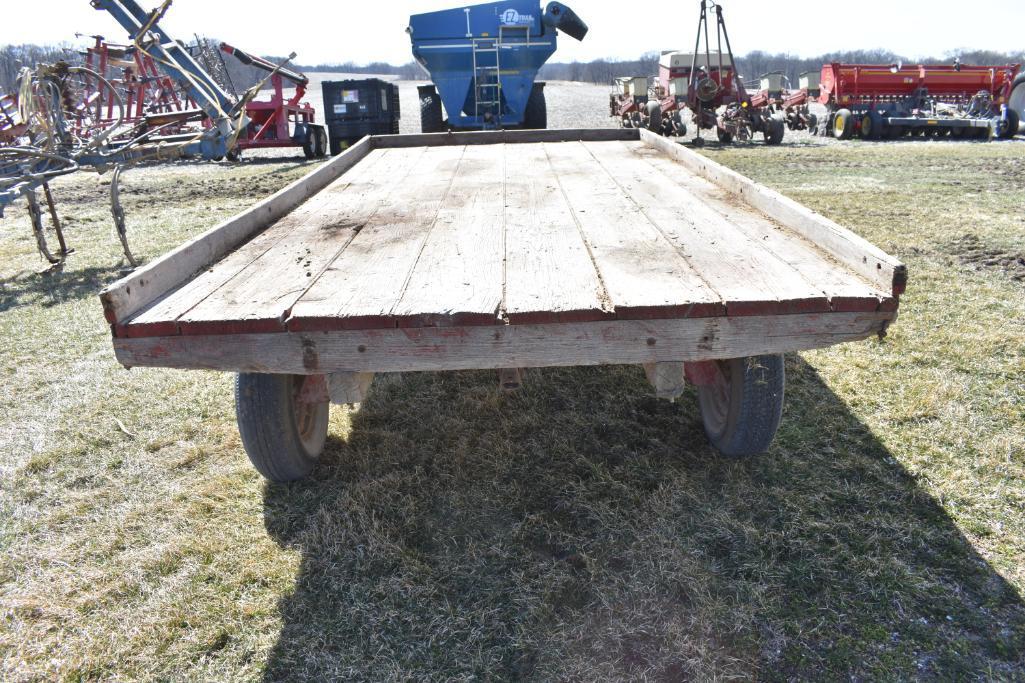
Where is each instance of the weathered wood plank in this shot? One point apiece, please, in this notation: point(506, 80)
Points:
point(503, 346)
point(259, 297)
point(747, 279)
point(549, 273)
point(359, 289)
point(359, 187)
point(130, 294)
point(853, 251)
point(457, 278)
point(845, 290)
point(643, 273)
point(505, 137)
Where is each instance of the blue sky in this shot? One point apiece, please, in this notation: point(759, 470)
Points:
point(338, 30)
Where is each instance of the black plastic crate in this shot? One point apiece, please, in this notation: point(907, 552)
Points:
point(357, 107)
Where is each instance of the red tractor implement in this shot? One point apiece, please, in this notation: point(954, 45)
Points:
point(12, 126)
point(776, 96)
point(640, 102)
point(878, 101)
point(704, 81)
point(280, 122)
point(122, 88)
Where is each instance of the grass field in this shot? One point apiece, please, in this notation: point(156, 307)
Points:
point(576, 530)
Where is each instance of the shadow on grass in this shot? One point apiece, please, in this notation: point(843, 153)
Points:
point(580, 530)
point(57, 285)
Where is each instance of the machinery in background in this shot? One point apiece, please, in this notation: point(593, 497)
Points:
point(12, 125)
point(131, 89)
point(877, 101)
point(483, 61)
point(279, 122)
point(1017, 100)
point(775, 94)
point(64, 132)
point(705, 82)
point(357, 107)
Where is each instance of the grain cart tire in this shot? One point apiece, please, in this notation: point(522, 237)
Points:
point(283, 437)
point(1017, 100)
point(774, 131)
point(431, 120)
point(535, 117)
point(741, 410)
point(725, 137)
point(1007, 128)
point(843, 124)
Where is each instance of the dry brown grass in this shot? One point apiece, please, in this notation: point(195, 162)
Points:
point(578, 529)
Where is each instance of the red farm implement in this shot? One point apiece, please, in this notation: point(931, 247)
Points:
point(280, 122)
point(776, 95)
point(11, 125)
point(878, 101)
point(121, 88)
point(704, 81)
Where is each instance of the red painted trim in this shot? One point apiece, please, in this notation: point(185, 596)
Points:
point(214, 327)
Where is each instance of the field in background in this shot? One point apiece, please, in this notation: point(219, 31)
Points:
point(576, 530)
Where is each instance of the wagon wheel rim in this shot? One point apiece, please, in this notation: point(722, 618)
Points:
point(839, 124)
point(717, 409)
point(305, 415)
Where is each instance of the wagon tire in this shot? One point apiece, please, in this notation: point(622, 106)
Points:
point(871, 126)
point(843, 124)
point(742, 409)
point(1008, 128)
point(283, 437)
point(725, 137)
point(310, 144)
point(774, 131)
point(321, 140)
point(654, 110)
point(1016, 101)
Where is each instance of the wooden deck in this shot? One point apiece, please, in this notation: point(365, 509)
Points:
point(521, 234)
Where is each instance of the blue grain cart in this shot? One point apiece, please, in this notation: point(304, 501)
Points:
point(483, 60)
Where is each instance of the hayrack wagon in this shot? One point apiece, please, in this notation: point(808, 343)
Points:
point(505, 250)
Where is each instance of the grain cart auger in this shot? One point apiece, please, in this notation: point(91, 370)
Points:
point(483, 61)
